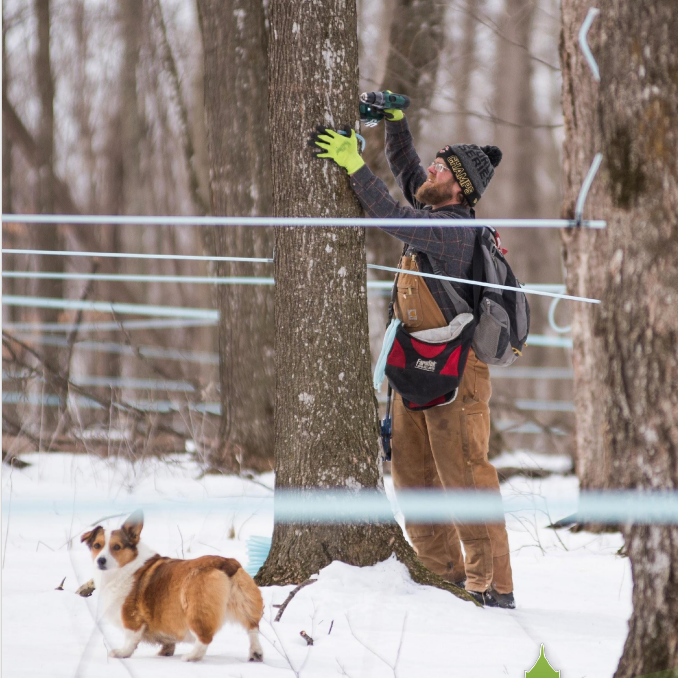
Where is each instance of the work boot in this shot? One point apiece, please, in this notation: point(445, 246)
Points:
point(492, 598)
point(495, 599)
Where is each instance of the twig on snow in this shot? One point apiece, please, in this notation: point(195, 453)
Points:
point(182, 542)
point(289, 598)
point(281, 651)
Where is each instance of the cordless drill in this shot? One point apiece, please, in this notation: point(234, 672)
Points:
point(372, 105)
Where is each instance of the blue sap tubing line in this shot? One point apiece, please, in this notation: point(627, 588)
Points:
point(326, 222)
point(432, 506)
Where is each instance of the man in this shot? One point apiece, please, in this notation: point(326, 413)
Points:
point(444, 446)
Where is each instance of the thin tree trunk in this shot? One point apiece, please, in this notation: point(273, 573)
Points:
point(466, 66)
point(325, 417)
point(46, 237)
point(7, 207)
point(236, 96)
point(514, 189)
point(131, 137)
point(415, 42)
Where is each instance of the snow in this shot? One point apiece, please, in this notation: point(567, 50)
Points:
point(573, 592)
point(558, 463)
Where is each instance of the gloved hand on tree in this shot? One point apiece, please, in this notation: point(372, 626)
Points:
point(342, 149)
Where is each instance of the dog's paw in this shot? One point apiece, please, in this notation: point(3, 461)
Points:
point(166, 650)
point(256, 657)
point(119, 654)
point(191, 657)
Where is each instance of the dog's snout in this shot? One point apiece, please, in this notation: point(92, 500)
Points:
point(101, 562)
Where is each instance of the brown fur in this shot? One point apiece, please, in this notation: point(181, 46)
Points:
point(123, 549)
point(91, 537)
point(171, 597)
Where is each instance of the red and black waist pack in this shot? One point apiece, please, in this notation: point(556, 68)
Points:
point(426, 367)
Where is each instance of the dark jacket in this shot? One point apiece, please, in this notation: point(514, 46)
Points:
point(451, 247)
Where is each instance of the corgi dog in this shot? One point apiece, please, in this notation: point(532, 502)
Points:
point(166, 600)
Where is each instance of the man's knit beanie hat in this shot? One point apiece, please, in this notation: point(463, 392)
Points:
point(472, 166)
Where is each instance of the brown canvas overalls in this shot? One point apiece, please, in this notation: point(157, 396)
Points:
point(446, 447)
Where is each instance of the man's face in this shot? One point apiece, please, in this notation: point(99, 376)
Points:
point(440, 187)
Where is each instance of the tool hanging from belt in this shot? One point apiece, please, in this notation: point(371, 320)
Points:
point(386, 425)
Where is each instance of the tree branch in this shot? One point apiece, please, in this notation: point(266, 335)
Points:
point(293, 593)
point(106, 403)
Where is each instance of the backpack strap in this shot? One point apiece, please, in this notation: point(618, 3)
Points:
point(460, 306)
point(477, 273)
point(394, 289)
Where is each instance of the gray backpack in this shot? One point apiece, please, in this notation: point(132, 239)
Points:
point(503, 316)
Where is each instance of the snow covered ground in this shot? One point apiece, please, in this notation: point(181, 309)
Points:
point(573, 593)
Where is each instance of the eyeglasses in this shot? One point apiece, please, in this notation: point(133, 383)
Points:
point(439, 167)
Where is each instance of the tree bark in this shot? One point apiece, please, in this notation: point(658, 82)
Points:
point(631, 337)
point(236, 97)
point(585, 253)
point(6, 139)
point(326, 429)
point(415, 42)
point(467, 65)
point(517, 189)
point(45, 236)
point(638, 322)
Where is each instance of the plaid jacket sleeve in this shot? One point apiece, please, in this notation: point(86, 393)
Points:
point(451, 244)
point(403, 159)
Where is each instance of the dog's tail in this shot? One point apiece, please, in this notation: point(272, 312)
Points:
point(245, 603)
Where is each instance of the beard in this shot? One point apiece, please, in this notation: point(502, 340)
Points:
point(434, 194)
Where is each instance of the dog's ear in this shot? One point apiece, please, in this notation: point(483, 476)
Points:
point(90, 536)
point(133, 526)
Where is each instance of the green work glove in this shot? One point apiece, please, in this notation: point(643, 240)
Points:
point(342, 149)
point(393, 114)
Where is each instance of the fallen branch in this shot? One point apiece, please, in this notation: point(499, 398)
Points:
point(289, 598)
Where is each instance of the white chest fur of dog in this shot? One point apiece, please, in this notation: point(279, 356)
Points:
point(167, 600)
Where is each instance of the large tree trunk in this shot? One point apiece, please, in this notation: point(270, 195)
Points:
point(585, 253)
point(326, 432)
point(638, 322)
point(236, 82)
point(631, 339)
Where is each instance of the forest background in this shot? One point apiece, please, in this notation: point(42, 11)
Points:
point(107, 109)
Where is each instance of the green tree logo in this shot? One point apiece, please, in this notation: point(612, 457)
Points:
point(542, 668)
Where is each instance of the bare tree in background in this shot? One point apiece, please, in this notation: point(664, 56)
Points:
point(626, 363)
point(236, 97)
point(46, 237)
point(519, 187)
point(414, 45)
point(465, 65)
point(6, 140)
